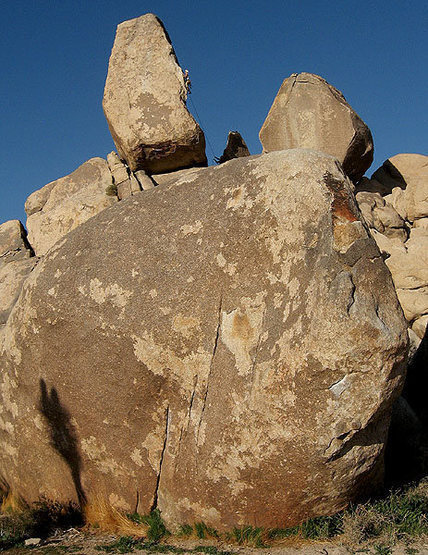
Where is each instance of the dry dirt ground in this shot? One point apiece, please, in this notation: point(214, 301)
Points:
point(81, 542)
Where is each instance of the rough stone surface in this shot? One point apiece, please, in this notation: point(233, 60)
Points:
point(235, 148)
point(144, 180)
point(13, 242)
point(381, 216)
point(310, 113)
point(145, 101)
point(118, 169)
point(16, 262)
point(394, 205)
point(235, 361)
point(67, 202)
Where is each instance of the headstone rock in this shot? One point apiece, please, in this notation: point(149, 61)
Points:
point(308, 112)
point(247, 336)
point(145, 101)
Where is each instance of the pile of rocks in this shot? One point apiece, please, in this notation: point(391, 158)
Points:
point(394, 203)
point(225, 343)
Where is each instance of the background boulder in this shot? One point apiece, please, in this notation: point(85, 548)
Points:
point(234, 361)
point(308, 112)
point(62, 205)
point(16, 262)
point(145, 101)
point(394, 204)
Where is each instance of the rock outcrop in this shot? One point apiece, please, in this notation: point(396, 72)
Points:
point(235, 148)
point(62, 205)
point(394, 203)
point(234, 361)
point(145, 101)
point(308, 112)
point(16, 262)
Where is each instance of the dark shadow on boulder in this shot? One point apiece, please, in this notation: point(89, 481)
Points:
point(407, 449)
point(63, 435)
point(384, 179)
point(235, 148)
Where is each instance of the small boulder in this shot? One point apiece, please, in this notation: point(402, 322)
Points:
point(13, 242)
point(64, 204)
point(145, 101)
point(235, 148)
point(405, 176)
point(308, 112)
point(16, 262)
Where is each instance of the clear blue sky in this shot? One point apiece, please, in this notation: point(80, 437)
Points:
point(54, 56)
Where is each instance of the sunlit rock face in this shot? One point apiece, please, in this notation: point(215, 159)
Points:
point(394, 203)
point(145, 101)
point(16, 262)
point(62, 205)
point(226, 346)
point(308, 112)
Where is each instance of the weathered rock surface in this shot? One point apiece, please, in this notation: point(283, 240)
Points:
point(145, 101)
point(62, 205)
point(16, 262)
point(308, 112)
point(124, 180)
point(235, 148)
point(13, 242)
point(399, 224)
point(234, 361)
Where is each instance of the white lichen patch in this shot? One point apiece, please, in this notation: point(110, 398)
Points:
point(189, 229)
point(97, 453)
point(228, 267)
point(136, 457)
point(160, 359)
point(114, 293)
point(241, 329)
point(339, 387)
point(186, 325)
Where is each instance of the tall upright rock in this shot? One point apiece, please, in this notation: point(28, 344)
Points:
point(308, 112)
point(145, 101)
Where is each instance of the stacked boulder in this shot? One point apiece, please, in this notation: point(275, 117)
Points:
point(145, 101)
point(310, 113)
point(394, 203)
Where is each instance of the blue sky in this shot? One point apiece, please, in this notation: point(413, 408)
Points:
point(54, 56)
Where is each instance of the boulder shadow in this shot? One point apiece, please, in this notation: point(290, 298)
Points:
point(63, 436)
point(407, 448)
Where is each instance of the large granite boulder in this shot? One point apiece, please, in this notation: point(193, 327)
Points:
point(16, 262)
point(62, 205)
point(225, 347)
point(308, 112)
point(145, 101)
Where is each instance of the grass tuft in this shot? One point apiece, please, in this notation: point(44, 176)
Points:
point(111, 190)
point(203, 531)
point(101, 515)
